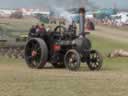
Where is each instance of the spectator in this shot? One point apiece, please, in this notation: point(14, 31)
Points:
point(90, 25)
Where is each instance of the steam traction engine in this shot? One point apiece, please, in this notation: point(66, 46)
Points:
point(62, 49)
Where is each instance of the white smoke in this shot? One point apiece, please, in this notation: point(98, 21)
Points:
point(61, 6)
point(63, 13)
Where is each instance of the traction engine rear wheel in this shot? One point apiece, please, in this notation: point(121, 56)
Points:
point(36, 53)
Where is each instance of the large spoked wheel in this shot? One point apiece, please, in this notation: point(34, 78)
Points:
point(95, 60)
point(72, 60)
point(58, 65)
point(36, 53)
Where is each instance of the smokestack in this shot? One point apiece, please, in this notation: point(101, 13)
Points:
point(82, 20)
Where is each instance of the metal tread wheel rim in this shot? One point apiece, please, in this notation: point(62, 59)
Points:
point(72, 60)
point(95, 61)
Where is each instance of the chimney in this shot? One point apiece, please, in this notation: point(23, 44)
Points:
point(82, 20)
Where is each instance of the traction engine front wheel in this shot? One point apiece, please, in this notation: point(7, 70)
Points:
point(72, 60)
point(95, 60)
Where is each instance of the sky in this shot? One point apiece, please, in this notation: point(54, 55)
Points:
point(110, 3)
point(38, 3)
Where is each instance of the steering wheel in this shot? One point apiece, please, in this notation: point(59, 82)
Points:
point(60, 29)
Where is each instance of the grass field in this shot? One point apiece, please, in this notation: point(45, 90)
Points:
point(16, 79)
point(18, 24)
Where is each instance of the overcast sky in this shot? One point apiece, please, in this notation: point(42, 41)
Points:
point(36, 3)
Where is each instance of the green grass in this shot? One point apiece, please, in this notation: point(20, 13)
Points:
point(106, 46)
point(15, 24)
